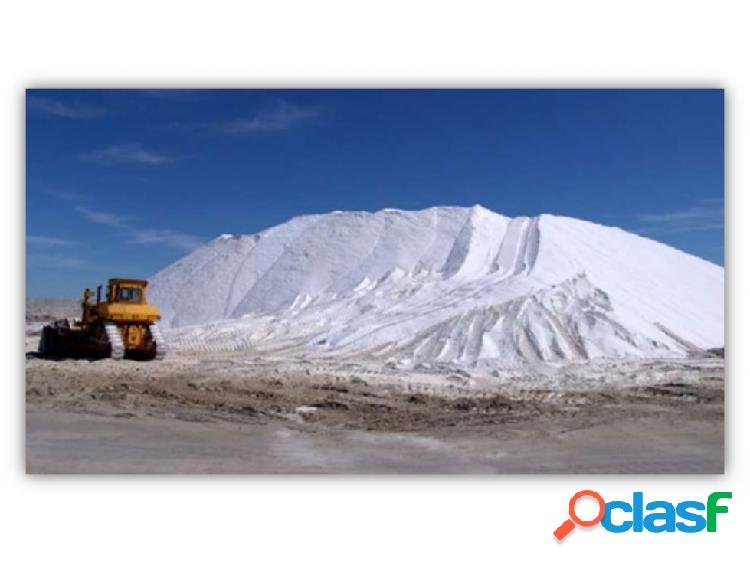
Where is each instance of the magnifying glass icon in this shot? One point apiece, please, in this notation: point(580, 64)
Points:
point(562, 531)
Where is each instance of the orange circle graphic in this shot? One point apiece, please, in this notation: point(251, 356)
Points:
point(572, 508)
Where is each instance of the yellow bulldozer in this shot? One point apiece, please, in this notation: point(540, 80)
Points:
point(122, 325)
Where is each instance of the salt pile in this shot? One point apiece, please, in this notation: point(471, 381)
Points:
point(445, 284)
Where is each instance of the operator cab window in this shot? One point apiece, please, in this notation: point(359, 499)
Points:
point(130, 294)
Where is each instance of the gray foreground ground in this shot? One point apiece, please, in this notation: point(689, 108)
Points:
point(64, 442)
point(228, 413)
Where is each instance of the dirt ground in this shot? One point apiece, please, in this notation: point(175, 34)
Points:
point(248, 412)
point(245, 412)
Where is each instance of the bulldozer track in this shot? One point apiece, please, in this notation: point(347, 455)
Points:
point(161, 344)
point(115, 341)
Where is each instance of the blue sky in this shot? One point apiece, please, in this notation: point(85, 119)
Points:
point(124, 182)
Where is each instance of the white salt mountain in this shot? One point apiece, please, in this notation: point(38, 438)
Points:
point(446, 284)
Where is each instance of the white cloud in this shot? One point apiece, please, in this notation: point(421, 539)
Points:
point(280, 117)
point(48, 241)
point(129, 153)
point(171, 94)
point(100, 217)
point(58, 261)
point(283, 116)
point(136, 235)
point(60, 194)
point(704, 215)
point(59, 109)
point(166, 237)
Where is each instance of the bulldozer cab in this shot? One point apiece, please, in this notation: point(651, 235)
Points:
point(126, 291)
point(125, 300)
